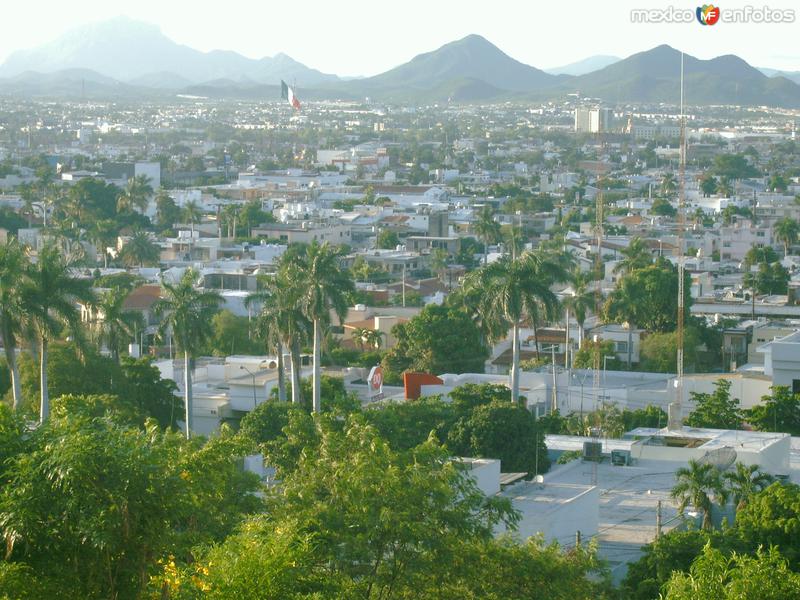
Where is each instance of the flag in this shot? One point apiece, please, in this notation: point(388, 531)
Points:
point(287, 93)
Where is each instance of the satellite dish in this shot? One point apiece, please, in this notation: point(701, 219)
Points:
point(722, 458)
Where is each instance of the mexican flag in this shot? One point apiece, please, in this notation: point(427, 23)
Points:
point(287, 93)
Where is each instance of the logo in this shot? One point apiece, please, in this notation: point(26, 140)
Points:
point(375, 380)
point(708, 14)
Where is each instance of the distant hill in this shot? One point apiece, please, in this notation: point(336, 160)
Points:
point(587, 65)
point(122, 58)
point(654, 76)
point(70, 84)
point(128, 50)
point(471, 67)
point(790, 75)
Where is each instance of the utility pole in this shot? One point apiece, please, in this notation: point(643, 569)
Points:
point(555, 379)
point(404, 285)
point(658, 520)
point(578, 538)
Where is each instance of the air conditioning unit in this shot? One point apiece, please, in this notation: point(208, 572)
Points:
point(593, 451)
point(621, 458)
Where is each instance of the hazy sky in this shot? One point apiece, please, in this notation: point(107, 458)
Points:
point(360, 37)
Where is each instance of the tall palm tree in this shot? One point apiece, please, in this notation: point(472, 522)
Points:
point(140, 250)
point(51, 294)
point(621, 306)
point(117, 324)
point(192, 213)
point(505, 293)
point(636, 256)
point(580, 303)
point(136, 194)
point(487, 229)
point(186, 314)
point(745, 482)
point(699, 484)
point(281, 324)
point(325, 287)
point(13, 310)
point(786, 231)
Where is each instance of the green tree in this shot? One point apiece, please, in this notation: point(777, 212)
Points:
point(786, 231)
point(733, 166)
point(140, 250)
point(508, 291)
point(669, 183)
point(582, 301)
point(13, 309)
point(487, 228)
point(587, 354)
point(659, 351)
point(502, 430)
point(635, 256)
point(772, 518)
point(441, 339)
point(765, 576)
point(716, 410)
point(387, 239)
point(192, 213)
point(366, 544)
point(115, 326)
point(744, 482)
point(136, 194)
point(780, 411)
point(708, 185)
point(405, 425)
point(50, 293)
point(186, 314)
point(167, 211)
point(325, 287)
point(281, 324)
point(663, 207)
point(232, 334)
point(648, 298)
point(699, 485)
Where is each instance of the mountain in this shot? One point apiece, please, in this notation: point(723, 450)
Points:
point(587, 65)
point(476, 63)
point(654, 76)
point(69, 83)
point(128, 50)
point(790, 75)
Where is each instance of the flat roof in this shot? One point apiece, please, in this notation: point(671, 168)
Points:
point(753, 441)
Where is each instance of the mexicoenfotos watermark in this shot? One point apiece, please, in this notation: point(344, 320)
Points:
point(708, 14)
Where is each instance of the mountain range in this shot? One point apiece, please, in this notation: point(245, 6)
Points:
point(122, 58)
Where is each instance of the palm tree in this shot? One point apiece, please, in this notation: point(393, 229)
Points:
point(786, 231)
point(487, 229)
point(636, 256)
point(136, 194)
point(325, 286)
point(699, 484)
point(51, 293)
point(116, 324)
point(580, 303)
point(374, 338)
point(192, 213)
point(281, 325)
point(13, 309)
point(186, 313)
point(745, 482)
point(102, 234)
point(140, 250)
point(439, 262)
point(621, 306)
point(508, 291)
point(724, 187)
point(668, 184)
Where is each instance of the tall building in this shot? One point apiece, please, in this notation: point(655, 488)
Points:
point(592, 119)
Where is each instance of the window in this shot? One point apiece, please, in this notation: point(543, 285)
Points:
point(796, 386)
point(759, 234)
point(622, 346)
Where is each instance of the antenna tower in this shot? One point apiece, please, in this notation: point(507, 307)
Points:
point(675, 408)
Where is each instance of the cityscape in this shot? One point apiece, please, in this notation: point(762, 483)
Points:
point(462, 328)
